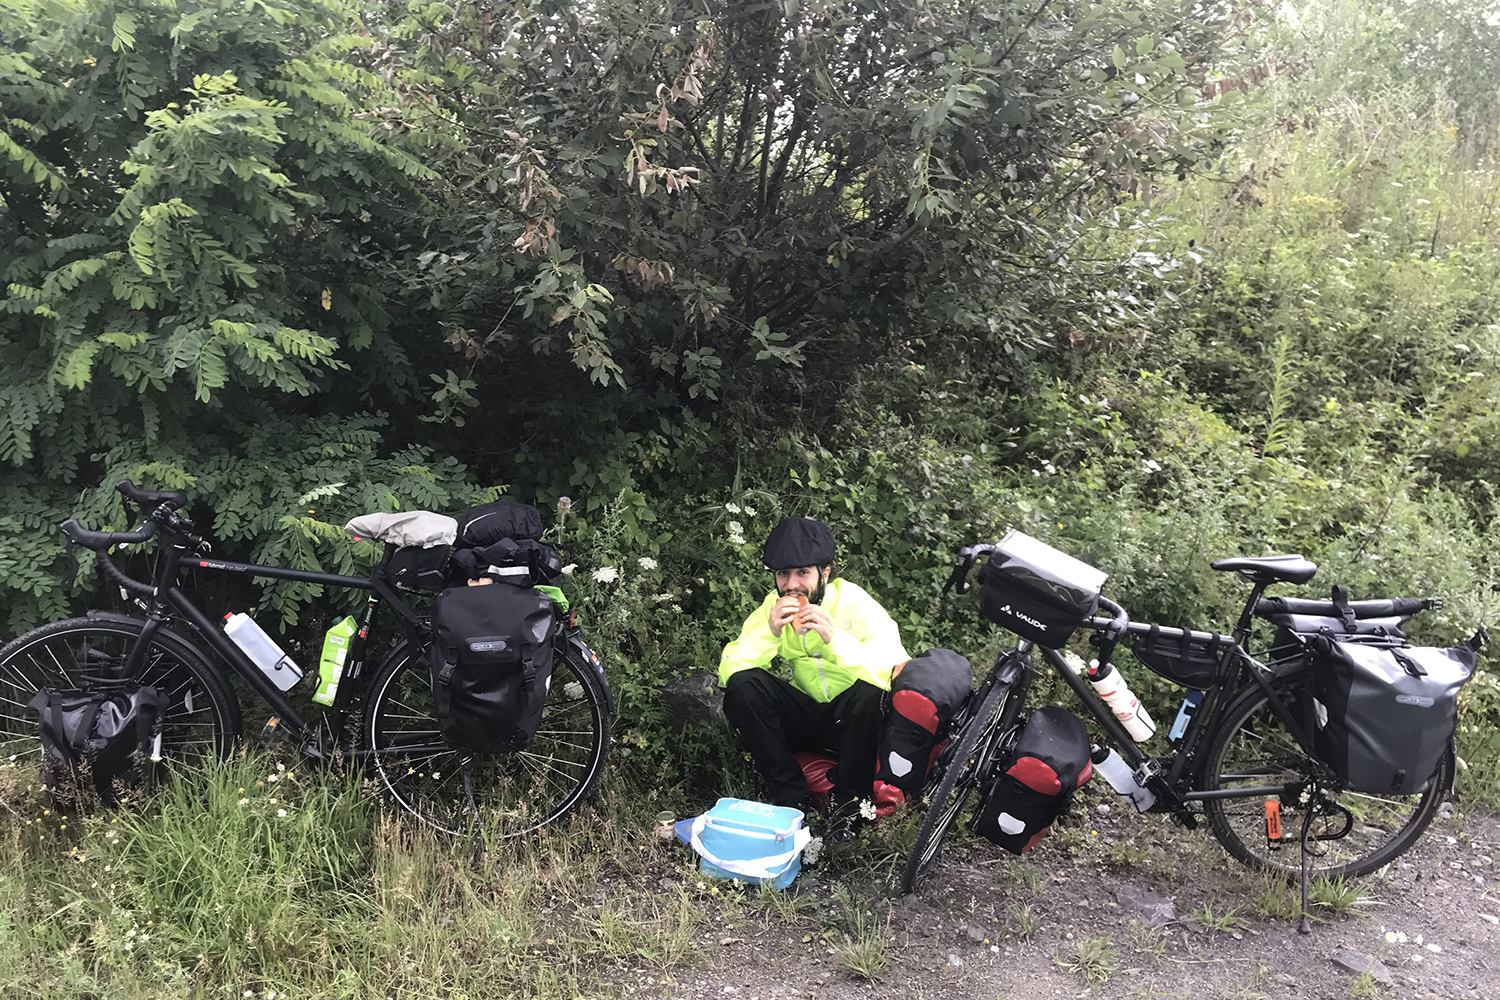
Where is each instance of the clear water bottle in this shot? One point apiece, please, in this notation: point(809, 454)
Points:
point(278, 667)
point(1190, 703)
point(1110, 764)
point(1121, 700)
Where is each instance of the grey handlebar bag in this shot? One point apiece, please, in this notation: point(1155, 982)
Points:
point(111, 729)
point(1385, 714)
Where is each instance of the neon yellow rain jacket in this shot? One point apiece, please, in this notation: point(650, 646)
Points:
point(866, 645)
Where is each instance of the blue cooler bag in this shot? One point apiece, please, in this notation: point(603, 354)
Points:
point(751, 842)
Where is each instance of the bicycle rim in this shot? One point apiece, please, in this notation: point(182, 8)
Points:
point(958, 780)
point(515, 792)
point(199, 719)
point(1254, 748)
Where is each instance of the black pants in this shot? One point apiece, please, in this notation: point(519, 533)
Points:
point(776, 720)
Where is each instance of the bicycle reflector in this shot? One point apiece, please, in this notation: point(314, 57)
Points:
point(1273, 824)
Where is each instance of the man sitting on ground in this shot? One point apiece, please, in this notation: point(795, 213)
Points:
point(841, 647)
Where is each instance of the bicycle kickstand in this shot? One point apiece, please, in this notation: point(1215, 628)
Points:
point(1304, 926)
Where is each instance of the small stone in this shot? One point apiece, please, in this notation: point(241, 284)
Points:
point(1285, 979)
point(1489, 918)
point(1150, 907)
point(955, 961)
point(1102, 809)
point(1434, 948)
point(974, 934)
point(1237, 935)
point(730, 940)
point(1358, 962)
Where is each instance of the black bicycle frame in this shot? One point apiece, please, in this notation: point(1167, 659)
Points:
point(167, 593)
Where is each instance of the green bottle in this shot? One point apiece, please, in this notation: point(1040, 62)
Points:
point(331, 663)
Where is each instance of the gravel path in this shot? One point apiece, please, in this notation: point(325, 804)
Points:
point(1150, 910)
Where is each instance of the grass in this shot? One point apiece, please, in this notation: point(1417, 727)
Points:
point(1023, 920)
point(1277, 898)
point(1217, 923)
point(250, 877)
point(1093, 959)
point(1336, 896)
point(863, 948)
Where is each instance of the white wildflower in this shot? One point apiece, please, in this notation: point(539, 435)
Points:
point(569, 568)
point(281, 814)
point(733, 508)
point(749, 511)
point(813, 851)
point(606, 574)
point(867, 809)
point(1150, 465)
point(677, 609)
point(646, 563)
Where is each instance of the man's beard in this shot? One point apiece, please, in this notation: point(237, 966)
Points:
point(816, 597)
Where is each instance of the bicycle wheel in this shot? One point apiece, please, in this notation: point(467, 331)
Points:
point(200, 715)
point(1253, 747)
point(959, 778)
point(515, 792)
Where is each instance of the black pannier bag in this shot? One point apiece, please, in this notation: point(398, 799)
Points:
point(490, 522)
point(1384, 714)
point(524, 560)
point(491, 665)
point(420, 569)
point(112, 729)
point(925, 692)
point(1049, 763)
point(1190, 660)
point(1036, 591)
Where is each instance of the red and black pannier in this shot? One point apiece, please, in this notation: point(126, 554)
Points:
point(1049, 763)
point(925, 692)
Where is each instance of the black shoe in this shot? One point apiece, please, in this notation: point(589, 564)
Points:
point(843, 817)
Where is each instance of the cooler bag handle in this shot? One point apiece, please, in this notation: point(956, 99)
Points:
point(762, 868)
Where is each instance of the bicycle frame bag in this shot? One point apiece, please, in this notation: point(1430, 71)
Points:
point(112, 730)
point(490, 522)
point(1036, 591)
point(1384, 716)
point(925, 692)
point(1049, 763)
point(491, 665)
point(1190, 660)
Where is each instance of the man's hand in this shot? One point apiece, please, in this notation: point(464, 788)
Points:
point(782, 613)
point(816, 618)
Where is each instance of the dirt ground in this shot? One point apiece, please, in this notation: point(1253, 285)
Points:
point(1154, 910)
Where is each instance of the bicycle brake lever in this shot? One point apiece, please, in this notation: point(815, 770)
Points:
point(1480, 639)
point(1432, 604)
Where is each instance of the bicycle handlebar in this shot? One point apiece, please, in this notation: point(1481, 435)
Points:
point(958, 580)
point(148, 500)
point(101, 540)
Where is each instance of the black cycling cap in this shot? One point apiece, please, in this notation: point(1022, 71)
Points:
point(798, 541)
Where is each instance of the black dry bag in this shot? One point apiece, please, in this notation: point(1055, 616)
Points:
point(111, 729)
point(1050, 761)
point(491, 665)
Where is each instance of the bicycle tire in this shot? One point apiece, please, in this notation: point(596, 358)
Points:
point(201, 717)
point(516, 792)
point(959, 776)
point(1252, 742)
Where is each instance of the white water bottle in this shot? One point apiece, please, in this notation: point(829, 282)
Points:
point(1110, 764)
point(278, 667)
point(1111, 686)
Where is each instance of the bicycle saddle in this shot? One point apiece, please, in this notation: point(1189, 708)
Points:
point(1266, 569)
